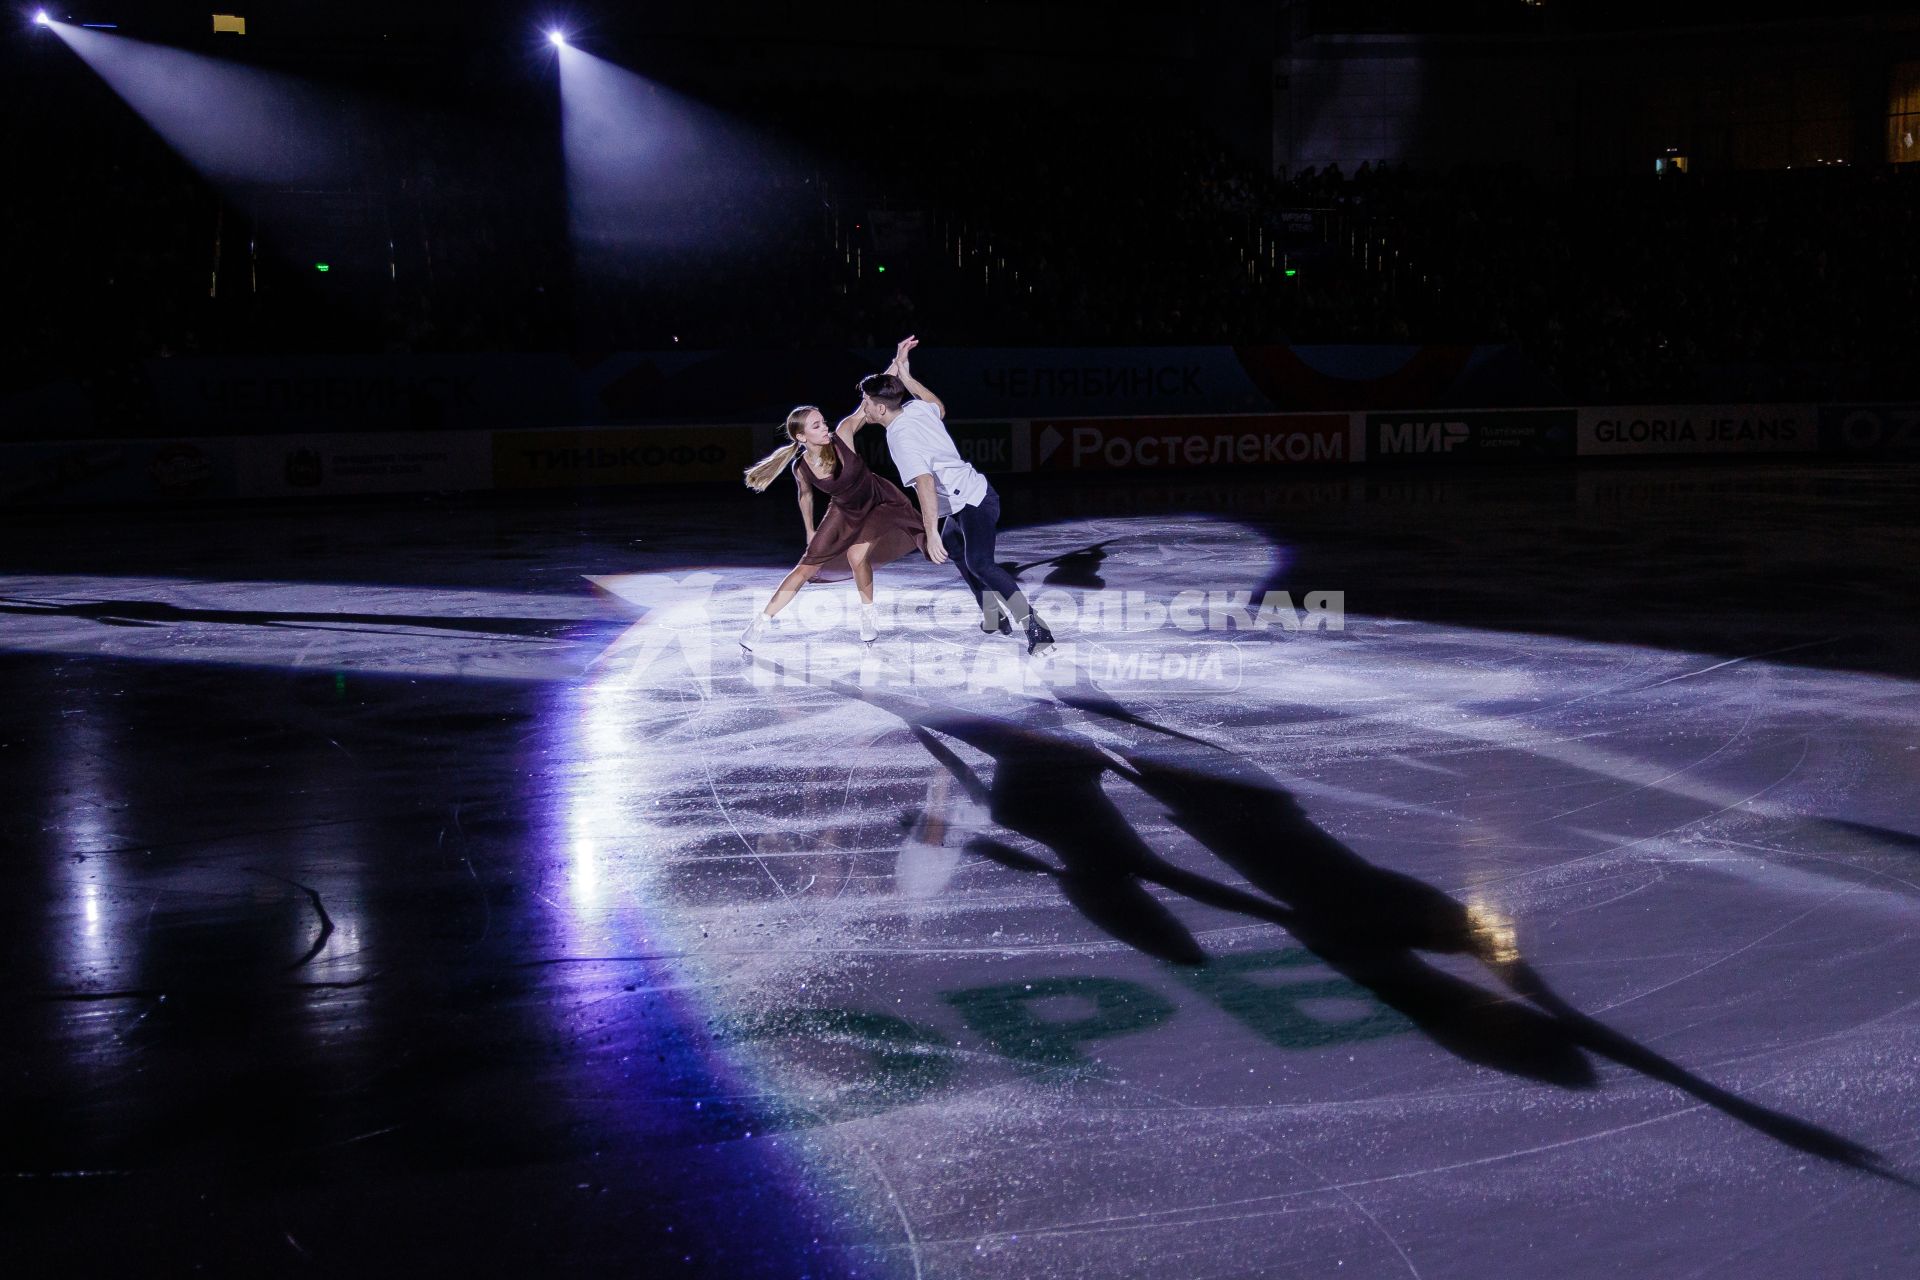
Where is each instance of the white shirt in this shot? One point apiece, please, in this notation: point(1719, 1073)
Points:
point(920, 446)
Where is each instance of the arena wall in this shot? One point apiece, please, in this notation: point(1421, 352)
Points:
point(298, 465)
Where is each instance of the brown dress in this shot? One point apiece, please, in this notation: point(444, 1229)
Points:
point(866, 508)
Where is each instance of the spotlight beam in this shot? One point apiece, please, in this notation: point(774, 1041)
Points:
point(239, 126)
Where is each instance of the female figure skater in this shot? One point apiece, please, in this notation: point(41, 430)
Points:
point(869, 523)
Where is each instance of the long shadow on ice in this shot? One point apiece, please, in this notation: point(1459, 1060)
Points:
point(1366, 922)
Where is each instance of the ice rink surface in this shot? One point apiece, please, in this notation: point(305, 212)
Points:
point(1529, 888)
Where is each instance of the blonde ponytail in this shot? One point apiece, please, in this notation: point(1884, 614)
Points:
point(762, 473)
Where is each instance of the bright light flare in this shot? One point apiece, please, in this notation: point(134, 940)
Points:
point(40, 18)
point(558, 39)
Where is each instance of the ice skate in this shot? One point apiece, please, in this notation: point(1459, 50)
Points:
point(1039, 639)
point(755, 632)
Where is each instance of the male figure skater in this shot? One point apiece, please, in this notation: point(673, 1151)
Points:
point(948, 485)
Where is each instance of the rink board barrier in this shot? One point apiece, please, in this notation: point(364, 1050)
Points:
point(330, 463)
point(118, 472)
point(1476, 436)
point(197, 468)
point(592, 458)
point(1157, 444)
point(1871, 430)
point(1648, 430)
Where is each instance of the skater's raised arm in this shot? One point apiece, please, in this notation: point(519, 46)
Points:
point(929, 496)
point(900, 370)
point(901, 350)
point(850, 425)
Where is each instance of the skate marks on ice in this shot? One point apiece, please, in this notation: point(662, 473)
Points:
point(1048, 790)
point(1367, 923)
point(1515, 779)
point(417, 631)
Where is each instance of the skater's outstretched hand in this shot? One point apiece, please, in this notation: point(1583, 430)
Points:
point(899, 369)
point(900, 353)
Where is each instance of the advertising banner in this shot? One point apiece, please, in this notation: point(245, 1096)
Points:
point(996, 448)
point(1880, 430)
point(1481, 437)
point(116, 471)
point(371, 462)
point(625, 455)
point(987, 445)
point(1114, 444)
point(1697, 428)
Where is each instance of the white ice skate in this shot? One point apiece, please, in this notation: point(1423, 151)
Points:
point(755, 632)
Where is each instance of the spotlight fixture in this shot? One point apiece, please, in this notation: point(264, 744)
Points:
point(557, 38)
point(41, 19)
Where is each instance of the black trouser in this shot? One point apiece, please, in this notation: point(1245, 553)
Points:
point(968, 535)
